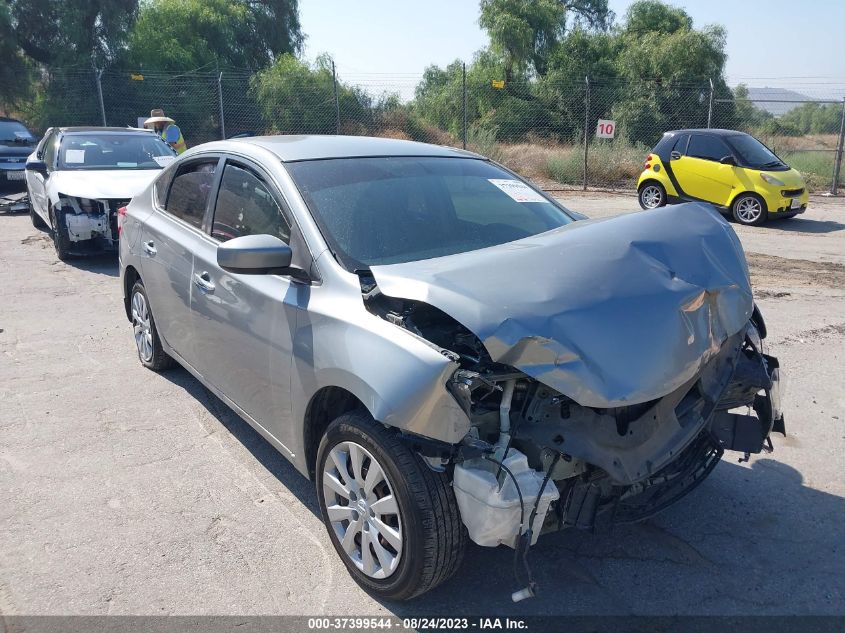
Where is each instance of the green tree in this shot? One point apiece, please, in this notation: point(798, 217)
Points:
point(295, 97)
point(653, 16)
point(181, 35)
point(814, 118)
point(16, 71)
point(68, 32)
point(526, 32)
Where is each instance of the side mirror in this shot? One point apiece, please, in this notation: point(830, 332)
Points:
point(255, 255)
point(38, 166)
point(728, 160)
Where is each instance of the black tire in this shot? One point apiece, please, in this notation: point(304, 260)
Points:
point(648, 188)
point(157, 359)
point(433, 536)
point(37, 222)
point(61, 239)
point(741, 216)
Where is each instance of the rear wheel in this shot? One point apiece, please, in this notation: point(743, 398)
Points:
point(393, 521)
point(749, 209)
point(652, 195)
point(150, 352)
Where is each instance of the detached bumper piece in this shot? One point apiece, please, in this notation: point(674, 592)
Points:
point(756, 386)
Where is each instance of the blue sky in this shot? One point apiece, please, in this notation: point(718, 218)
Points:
point(770, 42)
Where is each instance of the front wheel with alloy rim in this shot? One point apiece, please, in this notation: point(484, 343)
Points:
point(652, 195)
point(393, 520)
point(150, 352)
point(749, 209)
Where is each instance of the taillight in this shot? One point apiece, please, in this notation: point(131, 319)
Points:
point(648, 161)
point(121, 214)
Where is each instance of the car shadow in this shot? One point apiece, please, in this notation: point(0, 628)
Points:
point(99, 263)
point(261, 449)
point(749, 540)
point(805, 225)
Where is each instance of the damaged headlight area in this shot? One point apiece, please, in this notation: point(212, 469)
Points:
point(90, 224)
point(536, 460)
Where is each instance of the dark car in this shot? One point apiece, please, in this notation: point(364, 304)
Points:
point(16, 143)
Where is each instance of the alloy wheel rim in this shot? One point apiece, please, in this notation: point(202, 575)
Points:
point(142, 327)
point(651, 197)
point(749, 209)
point(362, 510)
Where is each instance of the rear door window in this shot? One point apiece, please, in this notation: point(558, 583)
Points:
point(246, 206)
point(707, 147)
point(189, 192)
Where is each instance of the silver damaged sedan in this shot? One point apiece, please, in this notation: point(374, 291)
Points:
point(448, 353)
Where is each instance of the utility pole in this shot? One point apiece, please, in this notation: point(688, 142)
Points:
point(710, 107)
point(336, 100)
point(98, 74)
point(220, 104)
point(837, 161)
point(586, 126)
point(464, 93)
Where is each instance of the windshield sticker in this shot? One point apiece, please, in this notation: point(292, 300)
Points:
point(23, 135)
point(163, 161)
point(127, 164)
point(517, 190)
point(74, 156)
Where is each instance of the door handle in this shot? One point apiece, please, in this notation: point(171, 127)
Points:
point(203, 282)
point(149, 248)
point(674, 156)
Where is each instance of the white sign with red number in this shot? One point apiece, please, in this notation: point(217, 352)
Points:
point(605, 129)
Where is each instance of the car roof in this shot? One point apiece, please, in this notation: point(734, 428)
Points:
point(8, 119)
point(110, 130)
point(296, 148)
point(712, 131)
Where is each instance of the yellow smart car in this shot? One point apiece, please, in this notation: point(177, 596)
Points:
point(729, 169)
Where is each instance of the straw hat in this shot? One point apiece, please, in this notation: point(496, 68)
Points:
point(157, 116)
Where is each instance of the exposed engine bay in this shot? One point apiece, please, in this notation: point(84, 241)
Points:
point(537, 461)
point(90, 224)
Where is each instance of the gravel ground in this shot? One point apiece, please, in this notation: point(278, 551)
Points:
point(127, 492)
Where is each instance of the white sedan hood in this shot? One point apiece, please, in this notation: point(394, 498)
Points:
point(100, 184)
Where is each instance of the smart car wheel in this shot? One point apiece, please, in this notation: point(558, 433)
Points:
point(652, 195)
point(150, 352)
point(749, 209)
point(393, 520)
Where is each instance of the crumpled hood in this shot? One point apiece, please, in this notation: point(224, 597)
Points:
point(608, 312)
point(101, 184)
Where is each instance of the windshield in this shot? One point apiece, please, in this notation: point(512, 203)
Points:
point(753, 153)
point(400, 209)
point(14, 132)
point(114, 151)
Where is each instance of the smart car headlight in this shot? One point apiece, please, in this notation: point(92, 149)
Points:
point(777, 182)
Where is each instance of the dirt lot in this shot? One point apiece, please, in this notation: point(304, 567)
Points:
point(123, 491)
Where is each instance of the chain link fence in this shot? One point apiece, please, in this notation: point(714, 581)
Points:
point(551, 131)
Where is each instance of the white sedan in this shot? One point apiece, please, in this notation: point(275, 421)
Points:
point(79, 177)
